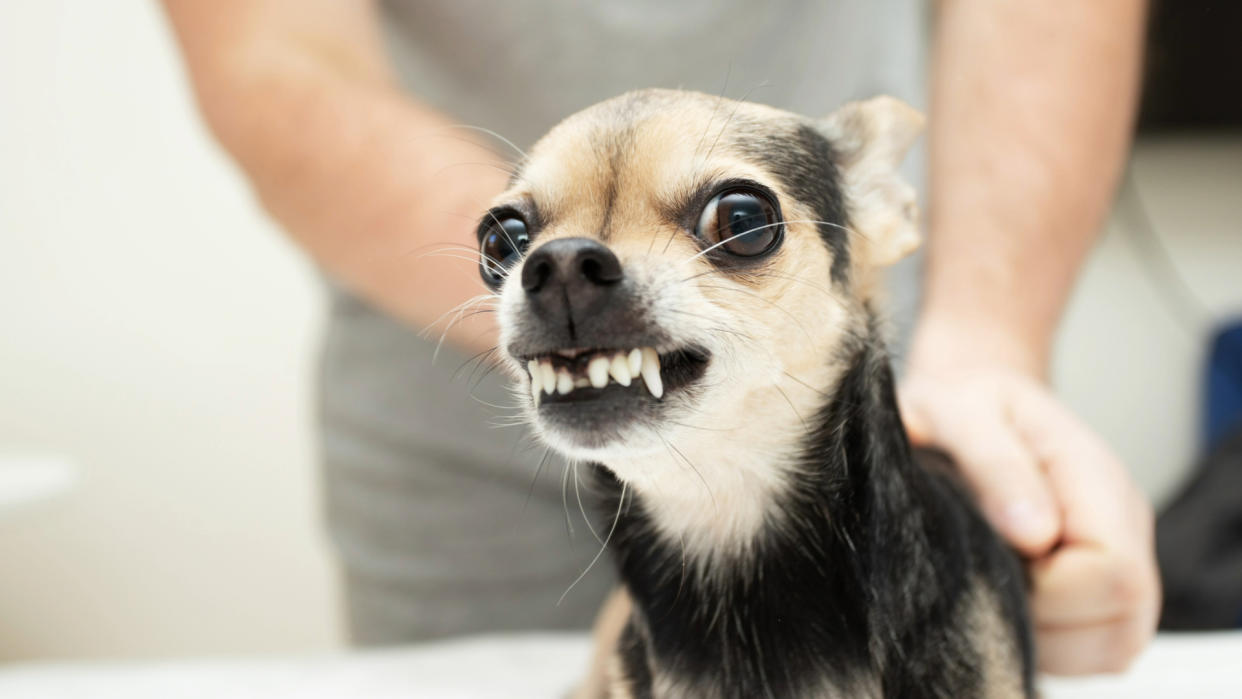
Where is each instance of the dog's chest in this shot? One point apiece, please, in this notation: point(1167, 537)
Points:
point(637, 674)
point(790, 621)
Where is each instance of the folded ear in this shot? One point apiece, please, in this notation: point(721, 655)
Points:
point(871, 138)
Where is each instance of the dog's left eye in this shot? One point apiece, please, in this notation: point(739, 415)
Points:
point(741, 221)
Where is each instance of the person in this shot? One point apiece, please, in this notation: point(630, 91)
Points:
point(345, 116)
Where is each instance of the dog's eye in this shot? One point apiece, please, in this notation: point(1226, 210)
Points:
point(741, 221)
point(503, 242)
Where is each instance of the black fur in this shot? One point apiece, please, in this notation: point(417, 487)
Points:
point(864, 583)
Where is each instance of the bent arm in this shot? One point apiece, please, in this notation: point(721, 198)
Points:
point(1031, 112)
point(367, 181)
point(1032, 107)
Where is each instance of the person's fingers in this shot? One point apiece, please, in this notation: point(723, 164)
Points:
point(1106, 565)
point(1086, 650)
point(1084, 585)
point(1098, 498)
point(1003, 474)
point(917, 426)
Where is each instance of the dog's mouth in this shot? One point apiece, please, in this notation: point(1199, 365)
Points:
point(589, 397)
point(580, 375)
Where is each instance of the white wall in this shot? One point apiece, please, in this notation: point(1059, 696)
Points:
point(155, 328)
point(1127, 363)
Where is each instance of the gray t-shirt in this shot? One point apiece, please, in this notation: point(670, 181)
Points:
point(427, 505)
point(520, 67)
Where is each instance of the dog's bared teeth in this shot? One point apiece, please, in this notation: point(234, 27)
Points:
point(597, 370)
point(619, 368)
point(635, 360)
point(651, 372)
point(536, 380)
point(564, 383)
point(548, 376)
point(582, 382)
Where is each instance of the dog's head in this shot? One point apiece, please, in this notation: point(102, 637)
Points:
point(668, 261)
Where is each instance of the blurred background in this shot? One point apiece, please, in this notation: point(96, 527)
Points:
point(158, 489)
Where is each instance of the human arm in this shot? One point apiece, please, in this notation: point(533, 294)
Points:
point(1032, 105)
point(373, 185)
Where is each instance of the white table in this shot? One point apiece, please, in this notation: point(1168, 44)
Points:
point(536, 666)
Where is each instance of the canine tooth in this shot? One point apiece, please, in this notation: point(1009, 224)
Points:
point(620, 370)
point(564, 383)
point(636, 361)
point(549, 377)
point(536, 380)
point(598, 371)
point(651, 372)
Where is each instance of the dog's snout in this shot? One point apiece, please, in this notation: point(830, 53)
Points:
point(573, 285)
point(574, 264)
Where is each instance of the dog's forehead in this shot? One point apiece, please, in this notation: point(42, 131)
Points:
point(634, 159)
point(655, 142)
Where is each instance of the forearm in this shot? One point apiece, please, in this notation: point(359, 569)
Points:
point(366, 181)
point(1032, 104)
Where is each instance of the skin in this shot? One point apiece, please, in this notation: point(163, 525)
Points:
point(1031, 112)
point(1025, 156)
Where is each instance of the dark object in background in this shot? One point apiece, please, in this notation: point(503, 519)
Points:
point(1224, 386)
point(1199, 546)
point(1199, 535)
point(1194, 56)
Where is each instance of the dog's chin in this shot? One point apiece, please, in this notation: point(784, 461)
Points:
point(626, 444)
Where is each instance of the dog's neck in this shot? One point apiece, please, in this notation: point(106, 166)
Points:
point(718, 485)
point(808, 555)
point(715, 489)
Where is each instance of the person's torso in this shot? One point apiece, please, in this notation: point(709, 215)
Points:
point(518, 68)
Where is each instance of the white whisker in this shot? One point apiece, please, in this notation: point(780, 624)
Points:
point(616, 518)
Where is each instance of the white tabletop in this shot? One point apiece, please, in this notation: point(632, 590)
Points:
point(536, 666)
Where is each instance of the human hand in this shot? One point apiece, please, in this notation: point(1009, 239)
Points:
point(1060, 497)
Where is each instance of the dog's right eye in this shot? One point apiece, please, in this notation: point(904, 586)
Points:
point(503, 243)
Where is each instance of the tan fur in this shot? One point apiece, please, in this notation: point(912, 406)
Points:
point(1002, 675)
point(602, 679)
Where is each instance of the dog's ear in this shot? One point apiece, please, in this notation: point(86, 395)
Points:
point(871, 139)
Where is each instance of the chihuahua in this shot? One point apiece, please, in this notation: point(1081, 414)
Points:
point(686, 296)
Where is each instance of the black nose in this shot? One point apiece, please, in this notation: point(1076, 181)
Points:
point(574, 263)
point(570, 277)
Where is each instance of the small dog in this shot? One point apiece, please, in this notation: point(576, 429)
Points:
point(686, 288)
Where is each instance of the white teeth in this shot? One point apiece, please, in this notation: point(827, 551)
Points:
point(536, 381)
point(597, 370)
point(564, 383)
point(622, 367)
point(636, 361)
point(549, 377)
point(651, 372)
point(620, 370)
